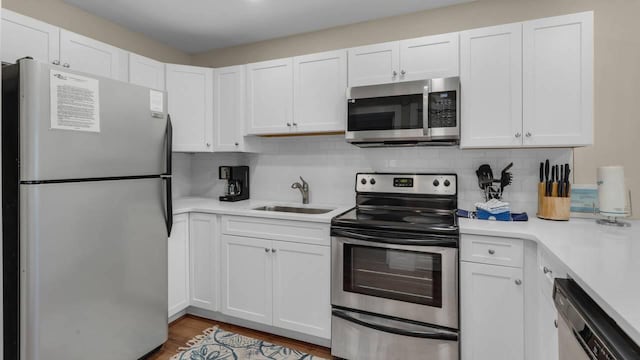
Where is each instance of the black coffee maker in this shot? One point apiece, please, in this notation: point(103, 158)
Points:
point(237, 187)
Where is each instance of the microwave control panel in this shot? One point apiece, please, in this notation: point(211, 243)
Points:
point(443, 109)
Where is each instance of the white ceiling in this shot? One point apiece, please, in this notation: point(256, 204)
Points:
point(199, 25)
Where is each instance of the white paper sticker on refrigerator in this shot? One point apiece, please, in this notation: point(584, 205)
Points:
point(75, 102)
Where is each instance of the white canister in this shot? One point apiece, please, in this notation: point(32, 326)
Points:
point(612, 192)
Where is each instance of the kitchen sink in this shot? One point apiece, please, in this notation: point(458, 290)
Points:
point(293, 209)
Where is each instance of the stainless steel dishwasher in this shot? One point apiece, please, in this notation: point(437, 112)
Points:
point(585, 331)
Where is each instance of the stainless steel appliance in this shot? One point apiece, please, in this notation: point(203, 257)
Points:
point(237, 187)
point(394, 269)
point(585, 331)
point(425, 112)
point(86, 214)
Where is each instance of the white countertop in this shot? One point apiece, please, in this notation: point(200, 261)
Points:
point(245, 208)
point(603, 260)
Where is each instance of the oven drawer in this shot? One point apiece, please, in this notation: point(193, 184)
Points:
point(492, 250)
point(357, 336)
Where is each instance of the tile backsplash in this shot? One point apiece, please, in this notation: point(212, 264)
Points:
point(329, 165)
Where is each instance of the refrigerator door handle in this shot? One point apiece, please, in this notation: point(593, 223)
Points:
point(167, 177)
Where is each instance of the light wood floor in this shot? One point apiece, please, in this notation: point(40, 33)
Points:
point(188, 326)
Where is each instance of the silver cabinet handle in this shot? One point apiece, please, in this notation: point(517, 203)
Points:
point(403, 72)
point(295, 124)
point(56, 62)
point(518, 282)
point(528, 134)
point(491, 251)
point(273, 250)
point(266, 250)
point(66, 65)
point(518, 135)
point(546, 270)
point(395, 73)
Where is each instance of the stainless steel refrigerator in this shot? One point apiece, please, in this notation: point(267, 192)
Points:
point(86, 196)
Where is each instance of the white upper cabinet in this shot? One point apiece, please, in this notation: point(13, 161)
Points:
point(320, 84)
point(84, 54)
point(23, 36)
point(228, 108)
point(374, 64)
point(429, 57)
point(558, 81)
point(491, 86)
point(270, 97)
point(190, 91)
point(146, 72)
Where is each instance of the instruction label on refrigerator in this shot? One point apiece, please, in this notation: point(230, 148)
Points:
point(75, 102)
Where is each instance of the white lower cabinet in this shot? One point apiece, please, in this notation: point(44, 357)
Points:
point(548, 326)
point(247, 278)
point(204, 260)
point(280, 283)
point(301, 283)
point(178, 264)
point(491, 312)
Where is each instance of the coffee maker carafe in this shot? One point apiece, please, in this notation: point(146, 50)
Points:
point(237, 187)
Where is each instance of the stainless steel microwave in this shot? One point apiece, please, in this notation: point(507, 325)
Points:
point(424, 112)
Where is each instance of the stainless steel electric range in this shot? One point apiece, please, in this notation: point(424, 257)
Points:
point(394, 269)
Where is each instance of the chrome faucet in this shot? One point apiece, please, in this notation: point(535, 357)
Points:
point(304, 190)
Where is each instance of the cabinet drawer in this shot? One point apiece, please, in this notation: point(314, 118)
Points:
point(275, 229)
point(492, 250)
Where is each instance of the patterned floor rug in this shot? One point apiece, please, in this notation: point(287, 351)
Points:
point(217, 344)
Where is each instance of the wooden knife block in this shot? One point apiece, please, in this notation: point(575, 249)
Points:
point(551, 207)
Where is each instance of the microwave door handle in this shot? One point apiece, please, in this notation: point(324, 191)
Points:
point(391, 326)
point(425, 109)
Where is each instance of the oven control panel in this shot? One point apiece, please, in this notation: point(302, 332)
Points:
point(423, 184)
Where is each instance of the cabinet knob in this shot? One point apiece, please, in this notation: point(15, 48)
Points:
point(395, 73)
point(208, 144)
point(518, 282)
point(237, 144)
point(289, 124)
point(518, 135)
point(295, 124)
point(555, 323)
point(56, 62)
point(403, 72)
point(491, 251)
point(273, 250)
point(528, 134)
point(546, 270)
point(66, 65)
point(266, 250)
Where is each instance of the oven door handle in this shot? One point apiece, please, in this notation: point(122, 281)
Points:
point(391, 240)
point(384, 325)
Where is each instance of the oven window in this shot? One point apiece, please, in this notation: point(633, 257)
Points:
point(401, 275)
point(386, 113)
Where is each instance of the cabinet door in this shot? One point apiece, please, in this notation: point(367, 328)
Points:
point(23, 36)
point(190, 91)
point(558, 81)
point(548, 329)
point(178, 255)
point(374, 64)
point(320, 86)
point(228, 108)
point(270, 97)
point(491, 312)
point(491, 84)
point(204, 260)
point(247, 285)
point(146, 72)
point(301, 288)
point(429, 57)
point(93, 57)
